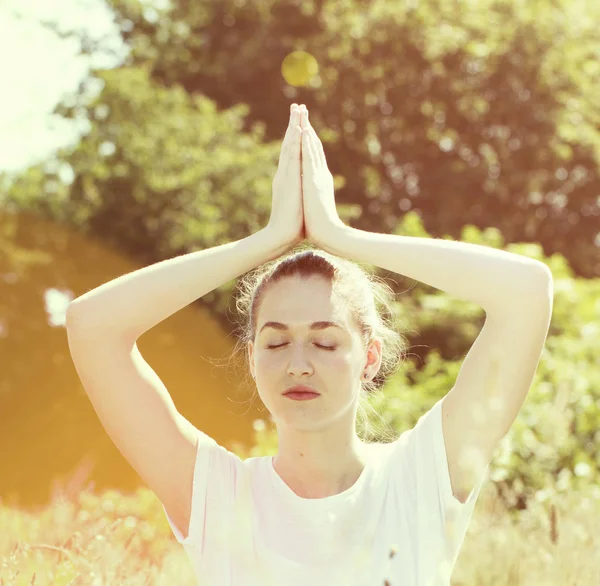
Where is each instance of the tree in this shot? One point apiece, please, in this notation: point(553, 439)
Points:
point(482, 113)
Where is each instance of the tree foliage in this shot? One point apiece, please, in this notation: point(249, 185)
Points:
point(471, 120)
point(469, 112)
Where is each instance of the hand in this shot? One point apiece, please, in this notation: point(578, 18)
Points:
point(320, 214)
point(286, 223)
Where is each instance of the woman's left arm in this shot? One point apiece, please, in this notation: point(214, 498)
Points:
point(493, 381)
point(516, 293)
point(493, 279)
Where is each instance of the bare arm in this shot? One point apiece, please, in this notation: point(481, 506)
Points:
point(134, 303)
point(103, 325)
point(129, 398)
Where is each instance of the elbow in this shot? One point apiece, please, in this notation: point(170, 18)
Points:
point(546, 281)
point(537, 279)
point(76, 315)
point(72, 314)
point(545, 274)
point(543, 292)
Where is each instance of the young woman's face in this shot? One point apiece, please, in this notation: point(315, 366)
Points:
point(287, 352)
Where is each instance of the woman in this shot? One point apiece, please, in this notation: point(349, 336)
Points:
point(328, 508)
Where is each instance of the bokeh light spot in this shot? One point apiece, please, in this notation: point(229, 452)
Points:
point(299, 68)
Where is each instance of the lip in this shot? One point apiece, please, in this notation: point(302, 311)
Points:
point(301, 389)
point(295, 396)
point(301, 393)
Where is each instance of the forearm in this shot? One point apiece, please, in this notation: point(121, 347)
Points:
point(133, 303)
point(486, 276)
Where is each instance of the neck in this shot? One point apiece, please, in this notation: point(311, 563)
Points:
point(317, 464)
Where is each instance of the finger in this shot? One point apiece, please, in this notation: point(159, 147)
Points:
point(289, 132)
point(295, 150)
point(309, 140)
point(294, 117)
point(318, 146)
point(290, 125)
point(308, 150)
point(292, 155)
point(304, 118)
point(315, 140)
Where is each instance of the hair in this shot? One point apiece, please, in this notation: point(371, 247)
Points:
point(368, 298)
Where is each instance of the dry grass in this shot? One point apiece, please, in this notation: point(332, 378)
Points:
point(114, 539)
point(554, 543)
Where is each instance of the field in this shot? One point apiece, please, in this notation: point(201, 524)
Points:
point(110, 539)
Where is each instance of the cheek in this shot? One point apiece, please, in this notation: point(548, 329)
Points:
point(341, 361)
point(267, 361)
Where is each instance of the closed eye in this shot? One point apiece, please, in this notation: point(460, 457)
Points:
point(330, 348)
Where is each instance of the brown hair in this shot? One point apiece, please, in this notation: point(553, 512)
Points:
point(368, 298)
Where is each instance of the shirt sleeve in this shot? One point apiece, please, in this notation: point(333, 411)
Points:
point(422, 474)
point(432, 433)
point(214, 477)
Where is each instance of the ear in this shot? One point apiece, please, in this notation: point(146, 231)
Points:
point(374, 356)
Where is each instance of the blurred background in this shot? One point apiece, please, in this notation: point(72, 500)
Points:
point(132, 131)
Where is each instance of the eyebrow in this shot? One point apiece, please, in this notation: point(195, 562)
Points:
point(316, 325)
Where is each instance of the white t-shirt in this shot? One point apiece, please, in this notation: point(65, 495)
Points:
point(248, 528)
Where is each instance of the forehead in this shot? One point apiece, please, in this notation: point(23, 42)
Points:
point(296, 301)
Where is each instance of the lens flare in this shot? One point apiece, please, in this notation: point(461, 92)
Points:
point(299, 68)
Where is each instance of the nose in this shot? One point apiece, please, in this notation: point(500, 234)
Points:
point(298, 364)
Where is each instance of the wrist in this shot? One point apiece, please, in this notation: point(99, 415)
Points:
point(274, 243)
point(334, 242)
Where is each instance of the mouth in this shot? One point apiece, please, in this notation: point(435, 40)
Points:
point(301, 393)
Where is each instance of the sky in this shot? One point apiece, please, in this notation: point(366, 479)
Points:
point(39, 69)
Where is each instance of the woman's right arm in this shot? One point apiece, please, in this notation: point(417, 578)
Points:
point(132, 403)
point(132, 304)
